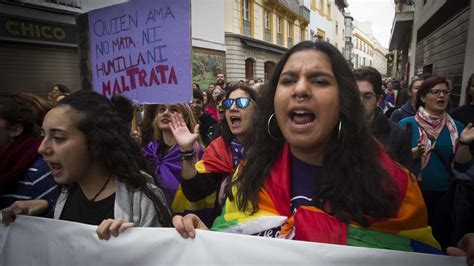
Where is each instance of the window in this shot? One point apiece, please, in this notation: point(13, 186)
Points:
point(246, 10)
point(267, 25)
point(290, 29)
point(279, 25)
point(247, 18)
point(328, 10)
point(337, 27)
point(249, 68)
point(266, 16)
point(279, 31)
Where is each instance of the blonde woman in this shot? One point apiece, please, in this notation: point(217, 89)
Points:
point(160, 146)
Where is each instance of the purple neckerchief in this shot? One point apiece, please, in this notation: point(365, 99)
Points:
point(237, 150)
point(167, 168)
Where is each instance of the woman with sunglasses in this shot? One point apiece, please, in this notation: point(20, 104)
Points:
point(439, 145)
point(202, 180)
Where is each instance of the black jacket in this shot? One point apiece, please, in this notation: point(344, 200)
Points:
point(208, 128)
point(394, 137)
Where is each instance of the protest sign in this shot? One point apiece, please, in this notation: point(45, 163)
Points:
point(40, 241)
point(142, 49)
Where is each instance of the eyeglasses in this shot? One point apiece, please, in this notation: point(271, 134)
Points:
point(242, 102)
point(438, 91)
point(367, 96)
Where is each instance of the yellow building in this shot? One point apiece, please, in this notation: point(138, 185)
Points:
point(258, 32)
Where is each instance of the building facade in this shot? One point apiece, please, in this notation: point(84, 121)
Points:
point(441, 40)
point(321, 22)
point(367, 51)
point(38, 45)
point(339, 29)
point(348, 46)
point(258, 32)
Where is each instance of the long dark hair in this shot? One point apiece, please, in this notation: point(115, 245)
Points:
point(225, 130)
point(108, 136)
point(355, 183)
point(16, 111)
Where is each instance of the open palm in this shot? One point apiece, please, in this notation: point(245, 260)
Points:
point(184, 138)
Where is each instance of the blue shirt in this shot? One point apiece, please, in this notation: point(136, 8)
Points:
point(35, 183)
point(435, 175)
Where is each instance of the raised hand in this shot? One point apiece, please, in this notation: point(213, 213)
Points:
point(184, 138)
point(467, 135)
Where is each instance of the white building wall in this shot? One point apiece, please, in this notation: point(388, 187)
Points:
point(207, 30)
point(339, 33)
point(316, 21)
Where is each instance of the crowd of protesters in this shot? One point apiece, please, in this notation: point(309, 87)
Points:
point(342, 155)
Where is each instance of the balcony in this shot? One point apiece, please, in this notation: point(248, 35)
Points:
point(291, 7)
point(67, 6)
point(402, 25)
point(280, 39)
point(247, 28)
point(304, 13)
point(290, 42)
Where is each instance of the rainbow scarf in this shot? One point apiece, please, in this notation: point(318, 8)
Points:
point(216, 159)
point(406, 231)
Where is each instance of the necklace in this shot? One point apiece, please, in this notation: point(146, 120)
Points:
point(102, 189)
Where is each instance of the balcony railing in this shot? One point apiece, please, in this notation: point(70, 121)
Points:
point(305, 12)
point(268, 36)
point(293, 5)
point(290, 42)
point(280, 39)
point(247, 28)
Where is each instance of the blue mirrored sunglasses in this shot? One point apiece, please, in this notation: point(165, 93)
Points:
point(242, 102)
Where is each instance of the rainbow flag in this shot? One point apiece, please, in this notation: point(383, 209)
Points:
point(405, 231)
point(216, 159)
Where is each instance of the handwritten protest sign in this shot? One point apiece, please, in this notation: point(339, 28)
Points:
point(142, 49)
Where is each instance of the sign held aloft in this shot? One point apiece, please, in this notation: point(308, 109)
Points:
point(142, 49)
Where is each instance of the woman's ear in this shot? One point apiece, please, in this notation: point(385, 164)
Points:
point(15, 130)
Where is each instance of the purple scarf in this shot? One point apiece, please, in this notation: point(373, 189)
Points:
point(167, 167)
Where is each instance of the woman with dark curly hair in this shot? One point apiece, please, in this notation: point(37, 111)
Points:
point(312, 170)
point(89, 150)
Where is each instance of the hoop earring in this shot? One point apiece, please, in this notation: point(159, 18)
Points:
point(339, 130)
point(268, 128)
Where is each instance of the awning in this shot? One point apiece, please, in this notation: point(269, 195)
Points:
point(402, 26)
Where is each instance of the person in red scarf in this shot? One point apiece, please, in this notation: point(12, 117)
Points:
point(440, 144)
point(23, 173)
point(313, 172)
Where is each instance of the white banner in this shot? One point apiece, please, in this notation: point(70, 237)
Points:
point(39, 241)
